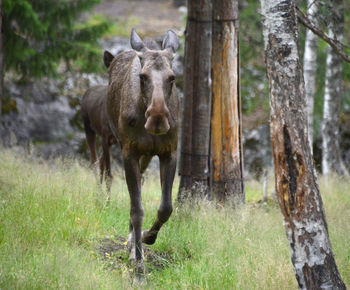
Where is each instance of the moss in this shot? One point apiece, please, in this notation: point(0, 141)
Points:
point(8, 105)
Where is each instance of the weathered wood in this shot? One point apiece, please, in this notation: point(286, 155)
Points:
point(295, 177)
point(194, 157)
point(226, 143)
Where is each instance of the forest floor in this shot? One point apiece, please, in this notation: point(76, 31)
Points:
point(56, 233)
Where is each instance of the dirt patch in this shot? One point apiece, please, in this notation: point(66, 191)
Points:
point(114, 253)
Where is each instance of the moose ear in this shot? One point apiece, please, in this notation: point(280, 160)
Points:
point(171, 41)
point(107, 58)
point(135, 41)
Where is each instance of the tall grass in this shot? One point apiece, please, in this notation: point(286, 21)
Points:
point(52, 218)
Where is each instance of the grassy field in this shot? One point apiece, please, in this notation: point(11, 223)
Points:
point(55, 233)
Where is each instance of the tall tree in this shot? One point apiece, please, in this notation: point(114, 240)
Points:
point(331, 157)
point(39, 34)
point(310, 64)
point(295, 177)
point(226, 129)
point(1, 60)
point(195, 134)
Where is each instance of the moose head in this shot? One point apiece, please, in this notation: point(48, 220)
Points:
point(156, 79)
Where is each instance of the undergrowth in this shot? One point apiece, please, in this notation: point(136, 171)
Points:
point(56, 232)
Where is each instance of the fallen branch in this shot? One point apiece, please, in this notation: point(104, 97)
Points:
point(335, 44)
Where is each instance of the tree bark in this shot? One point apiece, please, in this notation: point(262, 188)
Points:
point(226, 137)
point(310, 65)
point(295, 177)
point(194, 157)
point(331, 157)
point(1, 61)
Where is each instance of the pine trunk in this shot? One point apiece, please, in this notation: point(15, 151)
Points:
point(194, 157)
point(331, 157)
point(226, 141)
point(1, 61)
point(295, 177)
point(310, 65)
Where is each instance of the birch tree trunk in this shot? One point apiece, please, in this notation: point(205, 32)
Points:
point(194, 157)
point(331, 157)
point(295, 177)
point(310, 65)
point(226, 129)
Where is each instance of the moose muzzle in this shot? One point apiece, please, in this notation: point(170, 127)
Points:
point(157, 122)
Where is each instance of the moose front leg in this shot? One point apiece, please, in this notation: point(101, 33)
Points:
point(133, 180)
point(167, 174)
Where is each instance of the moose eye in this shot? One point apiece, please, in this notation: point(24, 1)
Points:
point(171, 79)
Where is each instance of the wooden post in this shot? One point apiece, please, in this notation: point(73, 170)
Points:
point(226, 129)
point(195, 134)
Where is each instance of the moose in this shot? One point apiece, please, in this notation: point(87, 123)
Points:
point(142, 111)
point(94, 114)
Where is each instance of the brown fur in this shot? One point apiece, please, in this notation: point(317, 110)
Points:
point(94, 114)
point(142, 109)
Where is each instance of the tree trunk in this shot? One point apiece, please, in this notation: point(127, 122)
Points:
point(1, 61)
point(295, 177)
point(331, 158)
point(310, 65)
point(194, 157)
point(226, 140)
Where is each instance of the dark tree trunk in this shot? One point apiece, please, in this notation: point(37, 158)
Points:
point(1, 61)
point(295, 176)
point(226, 141)
point(195, 133)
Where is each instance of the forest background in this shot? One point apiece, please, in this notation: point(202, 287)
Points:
point(31, 106)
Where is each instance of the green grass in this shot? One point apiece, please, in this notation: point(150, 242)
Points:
point(52, 219)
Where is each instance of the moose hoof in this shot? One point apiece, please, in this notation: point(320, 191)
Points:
point(130, 242)
point(139, 270)
point(148, 237)
point(132, 256)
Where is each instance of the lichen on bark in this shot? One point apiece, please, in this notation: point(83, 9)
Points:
point(295, 177)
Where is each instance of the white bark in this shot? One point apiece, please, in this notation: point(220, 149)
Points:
point(295, 177)
point(331, 157)
point(310, 65)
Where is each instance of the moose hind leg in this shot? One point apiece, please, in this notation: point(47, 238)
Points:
point(90, 139)
point(106, 156)
point(167, 174)
point(102, 166)
point(133, 180)
point(144, 162)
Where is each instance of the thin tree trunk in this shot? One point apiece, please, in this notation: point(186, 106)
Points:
point(331, 158)
point(226, 141)
point(310, 65)
point(194, 157)
point(295, 177)
point(1, 61)
point(266, 175)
